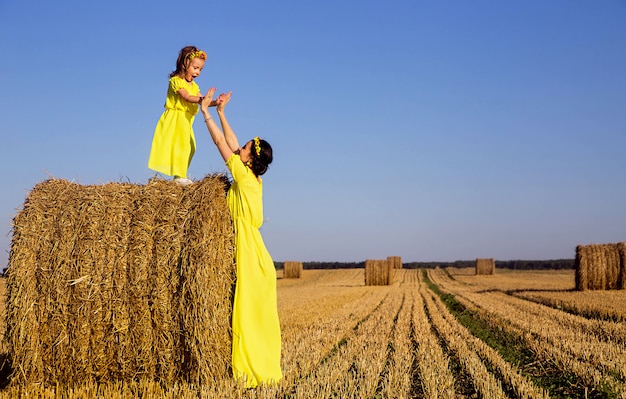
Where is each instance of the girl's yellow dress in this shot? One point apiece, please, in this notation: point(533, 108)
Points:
point(174, 143)
point(256, 329)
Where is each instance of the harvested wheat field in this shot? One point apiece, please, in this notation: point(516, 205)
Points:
point(436, 333)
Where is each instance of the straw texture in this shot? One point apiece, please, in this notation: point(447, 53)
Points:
point(600, 266)
point(485, 266)
point(121, 281)
point(292, 269)
point(378, 272)
point(395, 261)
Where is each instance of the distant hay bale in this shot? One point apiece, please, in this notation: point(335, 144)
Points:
point(395, 261)
point(292, 269)
point(120, 281)
point(378, 272)
point(621, 277)
point(485, 266)
point(600, 266)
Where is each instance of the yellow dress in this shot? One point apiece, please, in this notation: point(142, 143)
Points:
point(256, 328)
point(174, 143)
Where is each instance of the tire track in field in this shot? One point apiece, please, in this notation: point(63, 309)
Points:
point(384, 375)
point(464, 386)
point(333, 352)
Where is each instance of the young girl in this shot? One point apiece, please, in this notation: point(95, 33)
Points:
point(256, 329)
point(174, 142)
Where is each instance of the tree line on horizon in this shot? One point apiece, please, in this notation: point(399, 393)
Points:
point(551, 264)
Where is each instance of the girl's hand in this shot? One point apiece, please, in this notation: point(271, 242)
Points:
point(222, 100)
point(206, 101)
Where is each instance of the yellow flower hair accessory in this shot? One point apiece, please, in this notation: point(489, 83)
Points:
point(198, 53)
point(257, 145)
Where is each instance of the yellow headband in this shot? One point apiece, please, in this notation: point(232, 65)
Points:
point(257, 145)
point(198, 53)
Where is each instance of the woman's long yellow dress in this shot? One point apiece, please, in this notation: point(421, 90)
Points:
point(256, 329)
point(174, 142)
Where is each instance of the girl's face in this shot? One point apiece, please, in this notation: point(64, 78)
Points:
point(194, 69)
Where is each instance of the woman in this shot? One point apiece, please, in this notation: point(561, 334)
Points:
point(256, 329)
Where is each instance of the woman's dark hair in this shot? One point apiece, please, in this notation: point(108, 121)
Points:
point(262, 161)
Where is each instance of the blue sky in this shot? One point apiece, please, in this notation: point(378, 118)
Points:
point(432, 130)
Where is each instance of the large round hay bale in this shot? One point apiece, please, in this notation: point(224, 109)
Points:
point(378, 272)
point(485, 266)
point(120, 281)
point(580, 262)
point(600, 266)
point(621, 277)
point(292, 269)
point(395, 262)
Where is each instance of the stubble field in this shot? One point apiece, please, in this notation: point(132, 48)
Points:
point(436, 333)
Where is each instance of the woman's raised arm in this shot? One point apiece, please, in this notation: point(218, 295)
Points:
point(229, 134)
point(216, 134)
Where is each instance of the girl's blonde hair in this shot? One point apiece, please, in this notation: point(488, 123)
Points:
point(185, 55)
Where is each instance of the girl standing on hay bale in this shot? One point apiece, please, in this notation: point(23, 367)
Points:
point(174, 143)
point(256, 329)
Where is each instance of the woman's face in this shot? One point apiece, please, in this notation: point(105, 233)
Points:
point(245, 152)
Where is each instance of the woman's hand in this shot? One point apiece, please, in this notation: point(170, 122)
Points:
point(222, 100)
point(206, 101)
